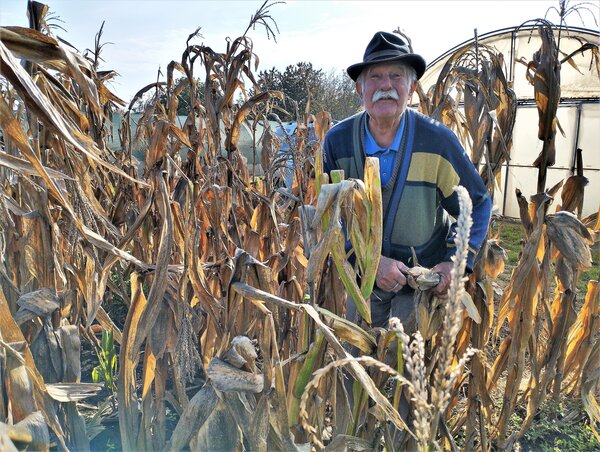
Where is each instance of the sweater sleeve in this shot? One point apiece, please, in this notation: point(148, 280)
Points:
point(480, 198)
point(327, 155)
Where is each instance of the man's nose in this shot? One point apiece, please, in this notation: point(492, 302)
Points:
point(386, 82)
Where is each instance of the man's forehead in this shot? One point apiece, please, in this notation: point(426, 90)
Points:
point(385, 66)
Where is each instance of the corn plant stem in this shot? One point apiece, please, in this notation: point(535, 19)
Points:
point(260, 296)
point(310, 363)
point(361, 398)
point(483, 434)
point(307, 334)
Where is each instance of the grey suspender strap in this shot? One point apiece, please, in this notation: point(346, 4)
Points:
point(357, 144)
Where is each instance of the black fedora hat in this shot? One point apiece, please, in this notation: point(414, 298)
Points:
point(386, 47)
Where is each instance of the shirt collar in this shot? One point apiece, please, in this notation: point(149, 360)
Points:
point(371, 147)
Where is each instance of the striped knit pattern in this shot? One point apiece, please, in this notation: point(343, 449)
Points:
point(420, 205)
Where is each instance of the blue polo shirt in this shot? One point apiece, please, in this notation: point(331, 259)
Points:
point(386, 156)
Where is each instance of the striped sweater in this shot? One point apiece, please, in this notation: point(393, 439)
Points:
point(419, 202)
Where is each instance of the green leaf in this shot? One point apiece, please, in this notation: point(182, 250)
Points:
point(95, 375)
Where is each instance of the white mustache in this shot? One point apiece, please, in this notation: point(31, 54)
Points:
point(389, 94)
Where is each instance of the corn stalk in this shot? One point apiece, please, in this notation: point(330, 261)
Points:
point(234, 305)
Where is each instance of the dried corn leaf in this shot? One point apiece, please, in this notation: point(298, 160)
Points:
point(129, 357)
point(546, 83)
point(108, 324)
point(349, 331)
point(581, 335)
point(572, 193)
point(590, 381)
point(314, 269)
point(524, 212)
point(279, 419)
point(34, 46)
point(12, 129)
point(375, 225)
point(149, 373)
point(19, 389)
point(327, 198)
point(24, 167)
point(11, 435)
point(70, 346)
point(46, 111)
point(359, 373)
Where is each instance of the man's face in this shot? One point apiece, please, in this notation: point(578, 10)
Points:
point(385, 90)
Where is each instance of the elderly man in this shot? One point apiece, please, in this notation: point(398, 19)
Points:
point(421, 161)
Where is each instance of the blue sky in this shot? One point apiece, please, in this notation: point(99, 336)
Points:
point(147, 34)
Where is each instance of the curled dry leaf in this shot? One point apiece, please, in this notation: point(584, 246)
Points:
point(72, 392)
point(472, 310)
point(41, 302)
point(349, 331)
point(570, 237)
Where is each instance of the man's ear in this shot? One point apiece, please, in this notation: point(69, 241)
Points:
point(358, 86)
point(413, 88)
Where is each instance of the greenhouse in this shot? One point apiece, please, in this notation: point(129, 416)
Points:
point(578, 112)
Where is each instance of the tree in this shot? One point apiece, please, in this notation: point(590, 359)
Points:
point(185, 104)
point(339, 95)
point(302, 83)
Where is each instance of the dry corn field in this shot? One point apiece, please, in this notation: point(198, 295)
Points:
point(214, 298)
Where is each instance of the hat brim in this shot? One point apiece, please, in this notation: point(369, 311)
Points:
point(412, 59)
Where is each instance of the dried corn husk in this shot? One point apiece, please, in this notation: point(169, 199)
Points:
point(429, 314)
point(494, 259)
point(35, 425)
point(218, 432)
point(227, 378)
point(422, 278)
point(242, 354)
point(197, 411)
point(11, 435)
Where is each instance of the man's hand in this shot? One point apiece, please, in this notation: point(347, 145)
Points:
point(444, 269)
point(391, 274)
